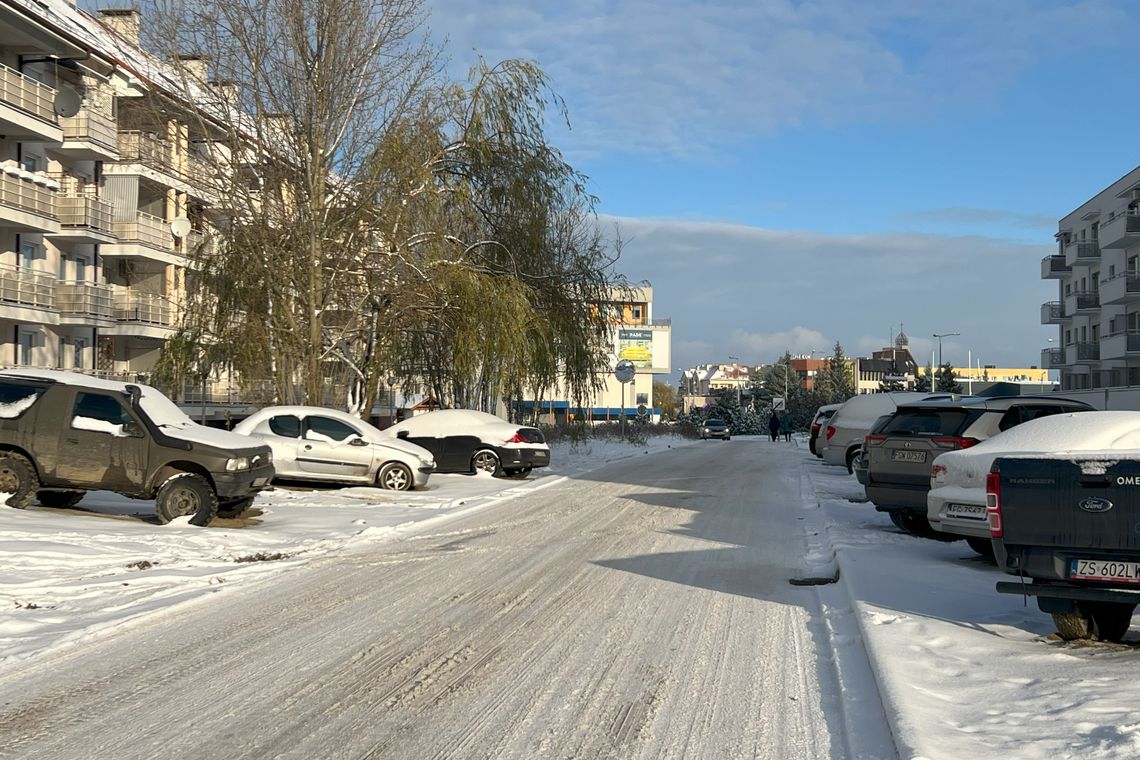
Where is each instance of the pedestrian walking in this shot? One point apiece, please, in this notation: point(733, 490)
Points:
point(786, 425)
point(774, 426)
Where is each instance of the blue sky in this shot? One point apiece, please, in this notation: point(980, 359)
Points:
point(789, 174)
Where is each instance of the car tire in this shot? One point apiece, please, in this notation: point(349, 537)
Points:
point(485, 460)
point(1110, 620)
point(59, 499)
point(851, 455)
point(18, 477)
point(916, 525)
point(395, 476)
point(186, 493)
point(235, 508)
point(982, 546)
point(728, 438)
point(519, 474)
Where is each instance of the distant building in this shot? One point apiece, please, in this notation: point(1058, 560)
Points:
point(699, 386)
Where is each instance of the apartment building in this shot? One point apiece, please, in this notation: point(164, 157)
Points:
point(700, 385)
point(98, 199)
point(637, 336)
point(1097, 307)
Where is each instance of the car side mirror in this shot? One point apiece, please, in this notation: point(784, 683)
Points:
point(402, 434)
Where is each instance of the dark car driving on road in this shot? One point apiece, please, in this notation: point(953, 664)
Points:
point(714, 428)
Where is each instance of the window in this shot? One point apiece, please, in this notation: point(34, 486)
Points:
point(327, 428)
point(79, 353)
point(642, 398)
point(30, 162)
point(29, 252)
point(16, 398)
point(96, 406)
point(25, 347)
point(637, 312)
point(286, 426)
point(80, 269)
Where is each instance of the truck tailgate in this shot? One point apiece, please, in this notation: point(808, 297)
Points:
point(1064, 503)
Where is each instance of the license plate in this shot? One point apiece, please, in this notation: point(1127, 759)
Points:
point(259, 482)
point(1105, 570)
point(902, 455)
point(972, 511)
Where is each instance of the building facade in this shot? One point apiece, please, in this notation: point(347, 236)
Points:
point(1097, 306)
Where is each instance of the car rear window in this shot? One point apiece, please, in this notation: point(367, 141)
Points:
point(927, 422)
point(16, 398)
point(531, 435)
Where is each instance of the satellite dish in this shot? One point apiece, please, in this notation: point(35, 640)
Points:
point(67, 102)
point(180, 227)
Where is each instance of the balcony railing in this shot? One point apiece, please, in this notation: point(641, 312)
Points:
point(143, 308)
point(86, 213)
point(1082, 250)
point(84, 299)
point(91, 126)
point(26, 287)
point(1085, 299)
point(1054, 266)
point(25, 194)
point(1052, 312)
point(147, 149)
point(27, 94)
point(1088, 352)
point(1052, 357)
point(146, 230)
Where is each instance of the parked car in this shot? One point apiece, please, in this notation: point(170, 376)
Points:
point(956, 503)
point(463, 440)
point(63, 434)
point(714, 428)
point(859, 465)
point(1065, 524)
point(311, 443)
point(852, 421)
point(900, 455)
point(818, 424)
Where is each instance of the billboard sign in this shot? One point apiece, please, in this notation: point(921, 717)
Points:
point(636, 346)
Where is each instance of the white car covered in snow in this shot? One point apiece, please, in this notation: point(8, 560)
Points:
point(464, 440)
point(956, 502)
point(311, 443)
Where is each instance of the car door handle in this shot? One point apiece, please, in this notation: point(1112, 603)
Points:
point(308, 447)
point(73, 440)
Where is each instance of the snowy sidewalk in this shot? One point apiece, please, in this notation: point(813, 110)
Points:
point(963, 671)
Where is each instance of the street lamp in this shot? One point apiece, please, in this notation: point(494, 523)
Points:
point(735, 376)
point(940, 336)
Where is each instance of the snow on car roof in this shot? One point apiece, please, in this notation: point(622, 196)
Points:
point(1093, 434)
point(444, 422)
point(68, 378)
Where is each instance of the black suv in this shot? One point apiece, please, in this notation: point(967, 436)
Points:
point(899, 454)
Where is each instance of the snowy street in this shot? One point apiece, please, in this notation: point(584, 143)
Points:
point(641, 610)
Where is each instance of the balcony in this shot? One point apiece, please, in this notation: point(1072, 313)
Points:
point(25, 287)
point(1120, 345)
point(1052, 358)
point(1082, 252)
point(1120, 230)
point(143, 308)
point(1054, 267)
point(1081, 301)
point(1052, 313)
point(84, 301)
point(27, 200)
point(27, 108)
point(1122, 288)
point(85, 219)
point(146, 237)
point(91, 135)
point(1083, 353)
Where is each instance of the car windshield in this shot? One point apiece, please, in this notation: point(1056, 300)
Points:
point(926, 422)
point(712, 421)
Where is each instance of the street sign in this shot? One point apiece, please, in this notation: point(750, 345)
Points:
point(642, 410)
point(624, 371)
point(778, 404)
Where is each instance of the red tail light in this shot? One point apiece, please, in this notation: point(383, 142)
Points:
point(516, 438)
point(957, 443)
point(993, 504)
point(815, 428)
point(874, 439)
point(830, 431)
point(936, 470)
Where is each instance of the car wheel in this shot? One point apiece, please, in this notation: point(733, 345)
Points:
point(234, 509)
point(728, 437)
point(851, 455)
point(186, 494)
point(18, 477)
point(916, 525)
point(982, 546)
point(485, 460)
point(519, 473)
point(395, 477)
point(1110, 620)
point(60, 499)
point(1072, 626)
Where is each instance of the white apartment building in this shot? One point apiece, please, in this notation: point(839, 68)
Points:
point(91, 180)
point(1097, 309)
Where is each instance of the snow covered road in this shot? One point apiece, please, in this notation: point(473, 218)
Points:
point(642, 610)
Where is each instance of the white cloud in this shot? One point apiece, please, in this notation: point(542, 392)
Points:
point(751, 292)
point(677, 77)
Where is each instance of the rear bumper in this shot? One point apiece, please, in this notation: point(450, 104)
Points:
point(1049, 565)
point(1051, 597)
point(517, 459)
point(895, 498)
point(956, 526)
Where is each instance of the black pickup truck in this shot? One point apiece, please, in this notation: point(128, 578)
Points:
point(1070, 530)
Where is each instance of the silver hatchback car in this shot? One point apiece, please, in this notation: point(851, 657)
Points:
point(714, 428)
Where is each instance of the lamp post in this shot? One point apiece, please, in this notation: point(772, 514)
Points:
point(391, 399)
point(940, 336)
point(735, 376)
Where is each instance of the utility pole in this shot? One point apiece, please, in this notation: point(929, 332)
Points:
point(940, 336)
